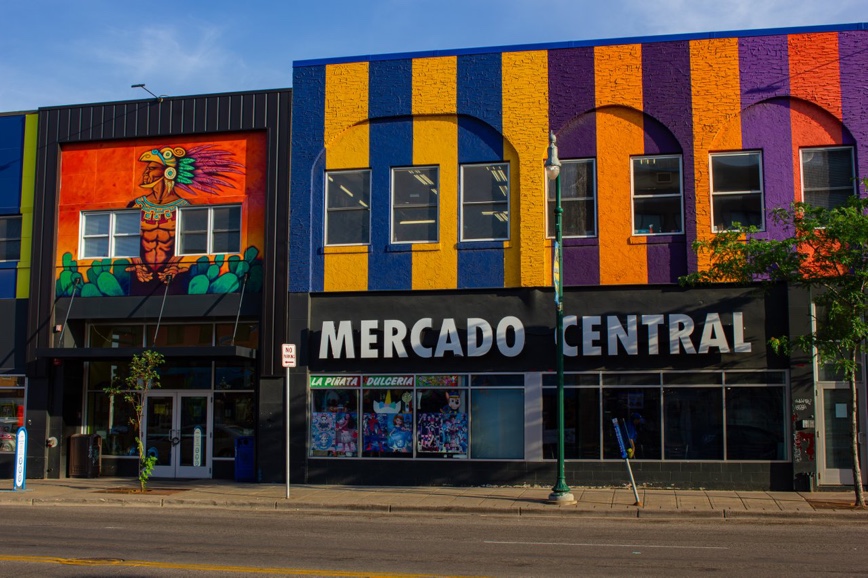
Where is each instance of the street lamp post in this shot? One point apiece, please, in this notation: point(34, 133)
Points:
point(561, 491)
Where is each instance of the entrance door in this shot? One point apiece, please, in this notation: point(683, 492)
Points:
point(833, 433)
point(177, 433)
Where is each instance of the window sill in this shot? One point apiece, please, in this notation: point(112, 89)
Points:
point(412, 247)
point(481, 245)
point(656, 239)
point(575, 242)
point(345, 249)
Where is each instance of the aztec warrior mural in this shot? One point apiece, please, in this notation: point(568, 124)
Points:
point(184, 217)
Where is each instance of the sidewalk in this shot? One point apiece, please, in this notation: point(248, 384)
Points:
point(517, 501)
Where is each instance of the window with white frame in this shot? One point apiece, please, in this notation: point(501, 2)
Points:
point(485, 202)
point(209, 230)
point(10, 238)
point(736, 190)
point(348, 207)
point(657, 201)
point(110, 234)
point(578, 199)
point(415, 193)
point(828, 177)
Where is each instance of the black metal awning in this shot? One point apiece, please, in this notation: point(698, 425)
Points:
point(114, 353)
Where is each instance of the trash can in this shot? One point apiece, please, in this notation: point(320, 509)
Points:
point(85, 455)
point(245, 459)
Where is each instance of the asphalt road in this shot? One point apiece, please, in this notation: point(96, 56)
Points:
point(114, 541)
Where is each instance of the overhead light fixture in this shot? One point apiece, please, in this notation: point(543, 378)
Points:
point(143, 87)
point(346, 190)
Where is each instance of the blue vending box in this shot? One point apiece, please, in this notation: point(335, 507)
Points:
point(245, 459)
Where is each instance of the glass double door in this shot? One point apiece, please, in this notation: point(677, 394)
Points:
point(178, 433)
point(833, 433)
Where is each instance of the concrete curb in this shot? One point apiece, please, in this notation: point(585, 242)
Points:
point(611, 503)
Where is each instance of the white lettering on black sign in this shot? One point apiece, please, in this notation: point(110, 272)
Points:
point(610, 335)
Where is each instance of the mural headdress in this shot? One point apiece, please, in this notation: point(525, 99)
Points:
point(203, 168)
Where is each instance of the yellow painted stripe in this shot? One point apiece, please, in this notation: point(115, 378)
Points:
point(715, 84)
point(200, 567)
point(527, 259)
point(435, 142)
point(347, 139)
point(620, 135)
point(28, 185)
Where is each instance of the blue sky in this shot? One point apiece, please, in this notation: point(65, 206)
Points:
point(57, 52)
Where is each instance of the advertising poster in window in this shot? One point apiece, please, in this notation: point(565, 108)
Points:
point(387, 413)
point(182, 214)
point(334, 418)
point(441, 422)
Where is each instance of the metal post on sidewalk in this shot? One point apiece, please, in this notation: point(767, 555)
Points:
point(287, 433)
point(626, 458)
point(289, 360)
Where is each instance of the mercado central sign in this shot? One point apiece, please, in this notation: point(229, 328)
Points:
point(652, 334)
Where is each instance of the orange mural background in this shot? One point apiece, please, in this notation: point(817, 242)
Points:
point(106, 176)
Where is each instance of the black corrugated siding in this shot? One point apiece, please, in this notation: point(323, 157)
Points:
point(173, 117)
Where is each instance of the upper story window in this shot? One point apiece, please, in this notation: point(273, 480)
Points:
point(415, 200)
point(10, 238)
point(657, 202)
point(110, 234)
point(348, 207)
point(209, 230)
point(828, 177)
point(578, 199)
point(736, 190)
point(485, 202)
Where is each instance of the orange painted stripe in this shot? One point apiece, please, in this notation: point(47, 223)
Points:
point(716, 87)
point(527, 261)
point(435, 142)
point(620, 135)
point(347, 139)
point(815, 84)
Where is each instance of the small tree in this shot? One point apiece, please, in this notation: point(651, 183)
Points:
point(142, 378)
point(826, 252)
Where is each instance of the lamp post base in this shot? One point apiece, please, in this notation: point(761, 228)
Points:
point(562, 498)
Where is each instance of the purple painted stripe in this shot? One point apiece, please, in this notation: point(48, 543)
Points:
point(854, 96)
point(571, 98)
point(571, 116)
point(581, 264)
point(666, 100)
point(765, 118)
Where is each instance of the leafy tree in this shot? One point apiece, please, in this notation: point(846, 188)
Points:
point(141, 378)
point(824, 251)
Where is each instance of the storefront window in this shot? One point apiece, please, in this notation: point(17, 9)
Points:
point(387, 415)
point(581, 417)
point(192, 335)
point(669, 415)
point(234, 374)
point(638, 412)
point(442, 424)
point(246, 334)
point(185, 374)
point(334, 416)
point(116, 335)
point(12, 388)
point(755, 426)
point(497, 407)
point(234, 417)
point(234, 411)
point(109, 418)
point(693, 423)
